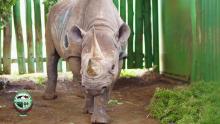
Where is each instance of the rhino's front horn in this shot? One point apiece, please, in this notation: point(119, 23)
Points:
point(96, 50)
point(93, 68)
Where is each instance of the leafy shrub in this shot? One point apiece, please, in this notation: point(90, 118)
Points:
point(5, 11)
point(198, 103)
point(48, 4)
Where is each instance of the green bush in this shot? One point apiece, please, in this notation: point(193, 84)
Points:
point(5, 11)
point(48, 4)
point(198, 103)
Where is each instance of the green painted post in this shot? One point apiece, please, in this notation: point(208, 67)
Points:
point(139, 34)
point(196, 21)
point(0, 47)
point(30, 42)
point(116, 3)
point(148, 34)
point(131, 58)
point(123, 9)
point(123, 15)
point(19, 38)
point(7, 48)
point(218, 43)
point(59, 67)
point(155, 33)
point(38, 31)
point(67, 67)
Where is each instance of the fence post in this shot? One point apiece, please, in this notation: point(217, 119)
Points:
point(7, 48)
point(19, 38)
point(0, 46)
point(139, 34)
point(30, 45)
point(130, 63)
point(123, 9)
point(123, 16)
point(38, 32)
point(59, 67)
point(148, 34)
point(116, 3)
point(155, 34)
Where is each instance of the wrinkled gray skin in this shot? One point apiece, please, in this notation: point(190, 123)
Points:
point(91, 37)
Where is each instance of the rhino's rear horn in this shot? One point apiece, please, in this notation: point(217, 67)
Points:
point(96, 50)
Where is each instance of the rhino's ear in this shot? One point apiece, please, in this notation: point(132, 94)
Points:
point(123, 33)
point(76, 34)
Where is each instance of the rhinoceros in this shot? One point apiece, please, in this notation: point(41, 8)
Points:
point(91, 36)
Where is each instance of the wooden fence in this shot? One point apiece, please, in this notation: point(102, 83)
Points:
point(143, 45)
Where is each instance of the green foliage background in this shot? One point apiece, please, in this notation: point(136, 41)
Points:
point(5, 11)
point(198, 103)
point(48, 4)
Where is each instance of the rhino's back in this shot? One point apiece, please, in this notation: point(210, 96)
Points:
point(83, 13)
point(62, 17)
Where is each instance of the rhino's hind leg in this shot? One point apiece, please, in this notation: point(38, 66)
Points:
point(74, 64)
point(52, 62)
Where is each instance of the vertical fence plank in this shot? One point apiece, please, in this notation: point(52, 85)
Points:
point(123, 15)
point(130, 63)
point(38, 31)
point(0, 47)
point(196, 21)
point(116, 3)
point(218, 37)
point(30, 44)
point(60, 66)
point(7, 48)
point(123, 9)
point(147, 34)
point(138, 34)
point(67, 66)
point(155, 33)
point(19, 38)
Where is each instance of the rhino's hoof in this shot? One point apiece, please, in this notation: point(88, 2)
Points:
point(51, 96)
point(87, 110)
point(101, 119)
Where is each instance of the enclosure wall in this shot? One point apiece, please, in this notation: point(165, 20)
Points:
point(207, 43)
point(191, 38)
point(177, 38)
point(140, 15)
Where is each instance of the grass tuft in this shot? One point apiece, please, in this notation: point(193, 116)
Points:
point(198, 103)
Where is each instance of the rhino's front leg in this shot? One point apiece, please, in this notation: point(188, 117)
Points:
point(89, 104)
point(100, 105)
point(52, 62)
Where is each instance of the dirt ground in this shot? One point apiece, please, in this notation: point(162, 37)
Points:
point(133, 94)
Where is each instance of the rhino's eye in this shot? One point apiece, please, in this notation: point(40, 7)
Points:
point(113, 66)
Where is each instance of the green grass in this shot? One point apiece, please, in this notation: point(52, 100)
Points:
point(198, 103)
point(40, 80)
point(129, 73)
point(114, 102)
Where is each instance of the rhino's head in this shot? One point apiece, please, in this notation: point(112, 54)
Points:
point(100, 61)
